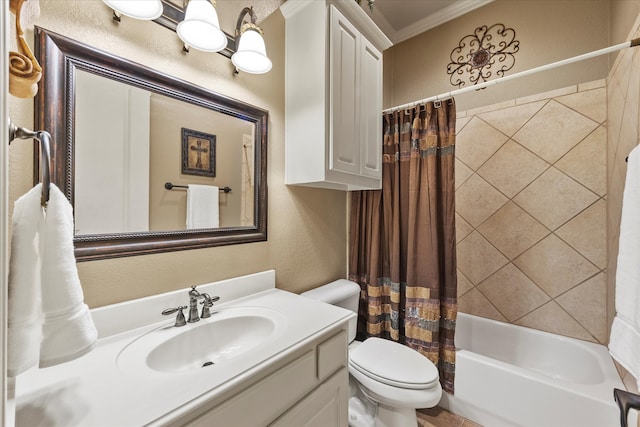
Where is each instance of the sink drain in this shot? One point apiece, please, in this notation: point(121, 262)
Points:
point(207, 364)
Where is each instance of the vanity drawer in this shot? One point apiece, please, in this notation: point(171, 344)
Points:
point(267, 399)
point(332, 354)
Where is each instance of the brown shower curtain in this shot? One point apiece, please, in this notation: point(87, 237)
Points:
point(402, 238)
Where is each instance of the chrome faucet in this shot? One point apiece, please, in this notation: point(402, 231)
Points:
point(207, 304)
point(194, 296)
point(179, 318)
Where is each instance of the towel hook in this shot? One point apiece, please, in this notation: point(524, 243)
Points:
point(44, 139)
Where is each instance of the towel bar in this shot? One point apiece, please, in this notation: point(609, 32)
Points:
point(170, 186)
point(44, 139)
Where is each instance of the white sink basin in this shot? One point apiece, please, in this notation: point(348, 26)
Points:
point(213, 342)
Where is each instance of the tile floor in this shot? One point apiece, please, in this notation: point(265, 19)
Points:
point(438, 417)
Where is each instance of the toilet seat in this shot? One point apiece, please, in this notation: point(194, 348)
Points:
point(393, 396)
point(409, 369)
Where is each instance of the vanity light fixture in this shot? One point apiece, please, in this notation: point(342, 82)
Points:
point(198, 26)
point(251, 54)
point(139, 9)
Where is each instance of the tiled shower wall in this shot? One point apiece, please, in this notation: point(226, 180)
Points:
point(623, 102)
point(531, 192)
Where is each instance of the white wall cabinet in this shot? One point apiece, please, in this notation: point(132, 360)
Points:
point(333, 86)
point(308, 388)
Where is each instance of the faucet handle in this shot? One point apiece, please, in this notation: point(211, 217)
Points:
point(206, 304)
point(180, 320)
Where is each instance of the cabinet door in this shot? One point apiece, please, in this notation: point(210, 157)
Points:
point(370, 110)
point(326, 406)
point(344, 93)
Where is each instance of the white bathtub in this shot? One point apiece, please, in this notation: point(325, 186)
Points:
point(508, 375)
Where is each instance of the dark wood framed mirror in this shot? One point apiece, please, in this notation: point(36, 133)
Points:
point(156, 221)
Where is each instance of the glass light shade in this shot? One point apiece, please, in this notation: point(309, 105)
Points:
point(139, 9)
point(251, 54)
point(200, 28)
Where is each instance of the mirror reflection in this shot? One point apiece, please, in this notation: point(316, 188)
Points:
point(130, 142)
point(151, 163)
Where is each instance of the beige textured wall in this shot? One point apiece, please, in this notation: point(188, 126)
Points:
point(531, 211)
point(306, 228)
point(623, 102)
point(548, 31)
point(623, 14)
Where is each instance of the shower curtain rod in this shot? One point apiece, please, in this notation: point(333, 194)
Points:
point(614, 48)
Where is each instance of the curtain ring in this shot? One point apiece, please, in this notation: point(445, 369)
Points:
point(437, 103)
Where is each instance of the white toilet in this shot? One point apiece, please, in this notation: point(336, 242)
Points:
point(388, 380)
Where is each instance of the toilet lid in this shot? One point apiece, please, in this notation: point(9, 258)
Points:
point(394, 364)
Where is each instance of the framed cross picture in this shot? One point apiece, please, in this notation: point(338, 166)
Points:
point(198, 153)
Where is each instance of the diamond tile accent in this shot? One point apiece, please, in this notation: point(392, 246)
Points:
point(473, 302)
point(554, 131)
point(462, 173)
point(461, 122)
point(477, 259)
point(509, 120)
point(585, 304)
point(554, 198)
point(623, 69)
point(476, 200)
point(629, 128)
point(477, 141)
point(552, 318)
point(542, 198)
point(554, 266)
point(615, 112)
point(512, 230)
point(462, 228)
point(512, 168)
point(464, 285)
point(587, 233)
point(591, 103)
point(587, 162)
point(513, 293)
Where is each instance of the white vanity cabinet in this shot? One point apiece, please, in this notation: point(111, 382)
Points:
point(309, 387)
point(333, 90)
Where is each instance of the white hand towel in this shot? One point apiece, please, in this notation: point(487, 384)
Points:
point(68, 330)
point(202, 206)
point(624, 341)
point(24, 314)
point(48, 320)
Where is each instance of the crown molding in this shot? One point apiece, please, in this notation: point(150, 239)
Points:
point(449, 13)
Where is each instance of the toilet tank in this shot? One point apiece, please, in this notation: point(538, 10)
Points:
point(342, 293)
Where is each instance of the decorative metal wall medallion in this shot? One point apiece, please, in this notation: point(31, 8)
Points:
point(479, 55)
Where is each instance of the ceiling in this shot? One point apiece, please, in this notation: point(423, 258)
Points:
point(399, 19)
point(403, 19)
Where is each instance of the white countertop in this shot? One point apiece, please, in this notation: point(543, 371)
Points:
point(94, 391)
